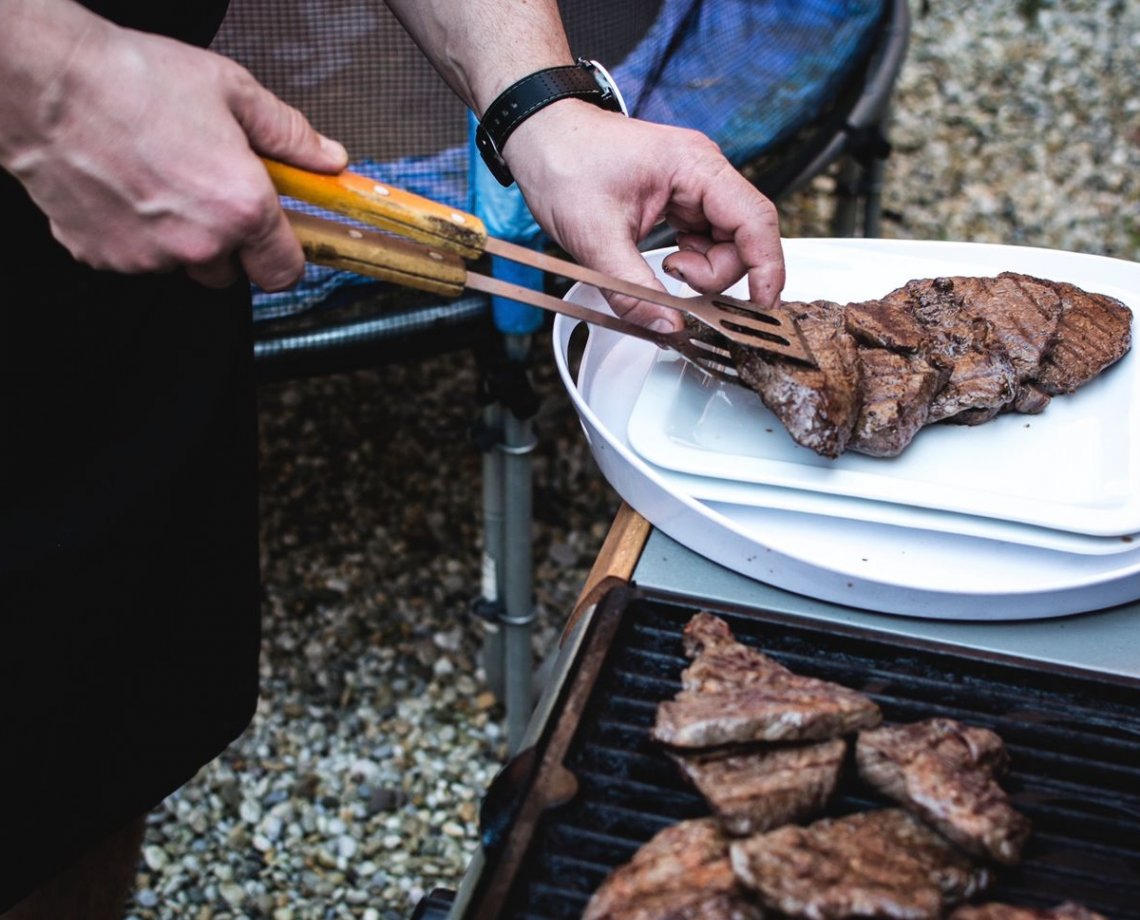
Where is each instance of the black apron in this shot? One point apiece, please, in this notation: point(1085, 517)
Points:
point(129, 597)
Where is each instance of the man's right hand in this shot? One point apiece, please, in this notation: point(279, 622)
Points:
point(143, 151)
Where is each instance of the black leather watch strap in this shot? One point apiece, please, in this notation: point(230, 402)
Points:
point(584, 80)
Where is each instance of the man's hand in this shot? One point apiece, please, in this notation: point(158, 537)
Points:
point(142, 151)
point(598, 182)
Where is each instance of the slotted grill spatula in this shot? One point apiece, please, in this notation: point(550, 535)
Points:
point(443, 237)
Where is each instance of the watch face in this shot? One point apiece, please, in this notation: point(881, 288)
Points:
point(611, 95)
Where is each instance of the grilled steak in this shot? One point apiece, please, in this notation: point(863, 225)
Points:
point(732, 693)
point(898, 391)
point(756, 789)
point(945, 773)
point(994, 911)
point(721, 663)
point(1094, 331)
point(682, 873)
point(958, 349)
point(883, 863)
point(820, 404)
point(981, 376)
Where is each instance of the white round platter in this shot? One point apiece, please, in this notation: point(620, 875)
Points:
point(863, 564)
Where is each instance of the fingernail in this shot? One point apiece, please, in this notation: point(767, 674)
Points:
point(673, 272)
point(661, 325)
point(335, 149)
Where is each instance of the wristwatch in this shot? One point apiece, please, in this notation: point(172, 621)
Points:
point(586, 80)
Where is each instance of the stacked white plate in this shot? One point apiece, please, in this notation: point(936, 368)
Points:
point(1025, 516)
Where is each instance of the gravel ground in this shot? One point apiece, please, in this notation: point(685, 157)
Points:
point(355, 790)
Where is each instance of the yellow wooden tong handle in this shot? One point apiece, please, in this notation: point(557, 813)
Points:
point(328, 242)
point(383, 206)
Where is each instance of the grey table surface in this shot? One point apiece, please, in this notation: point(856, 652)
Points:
point(1105, 642)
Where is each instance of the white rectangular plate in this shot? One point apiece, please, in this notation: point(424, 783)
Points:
point(1075, 467)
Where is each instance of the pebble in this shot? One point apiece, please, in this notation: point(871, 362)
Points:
point(356, 788)
point(155, 857)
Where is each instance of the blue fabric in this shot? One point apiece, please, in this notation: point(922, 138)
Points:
point(506, 216)
point(748, 73)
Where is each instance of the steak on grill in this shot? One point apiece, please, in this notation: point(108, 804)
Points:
point(960, 349)
point(732, 694)
point(994, 911)
point(721, 663)
point(946, 773)
point(682, 873)
point(759, 788)
point(882, 863)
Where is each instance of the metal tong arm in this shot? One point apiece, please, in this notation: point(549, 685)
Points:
point(378, 255)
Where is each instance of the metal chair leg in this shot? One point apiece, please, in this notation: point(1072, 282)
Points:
point(518, 562)
point(492, 576)
point(847, 197)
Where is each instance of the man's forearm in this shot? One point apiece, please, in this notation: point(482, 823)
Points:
point(482, 46)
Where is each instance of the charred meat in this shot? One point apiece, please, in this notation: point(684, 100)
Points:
point(755, 789)
point(682, 873)
point(820, 404)
point(734, 694)
point(883, 863)
point(960, 349)
point(946, 773)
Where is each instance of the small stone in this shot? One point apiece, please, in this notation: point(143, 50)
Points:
point(146, 898)
point(346, 847)
point(232, 893)
point(383, 800)
point(155, 857)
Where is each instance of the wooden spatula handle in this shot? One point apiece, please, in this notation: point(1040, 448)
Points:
point(380, 205)
point(327, 242)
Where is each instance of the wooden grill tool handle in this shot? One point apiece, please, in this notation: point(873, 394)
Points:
point(378, 255)
point(383, 206)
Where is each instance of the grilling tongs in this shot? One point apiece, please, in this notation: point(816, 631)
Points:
point(444, 237)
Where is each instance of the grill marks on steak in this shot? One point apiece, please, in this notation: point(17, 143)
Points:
point(682, 873)
point(820, 404)
point(734, 694)
point(883, 863)
point(946, 773)
point(916, 862)
point(960, 349)
point(1094, 332)
point(981, 376)
point(898, 391)
point(756, 789)
point(801, 709)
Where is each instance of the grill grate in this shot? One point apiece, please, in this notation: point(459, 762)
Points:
point(1074, 743)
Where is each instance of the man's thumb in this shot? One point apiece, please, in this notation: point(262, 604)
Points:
point(281, 132)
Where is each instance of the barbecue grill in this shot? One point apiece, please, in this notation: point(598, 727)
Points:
point(592, 786)
point(1037, 642)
